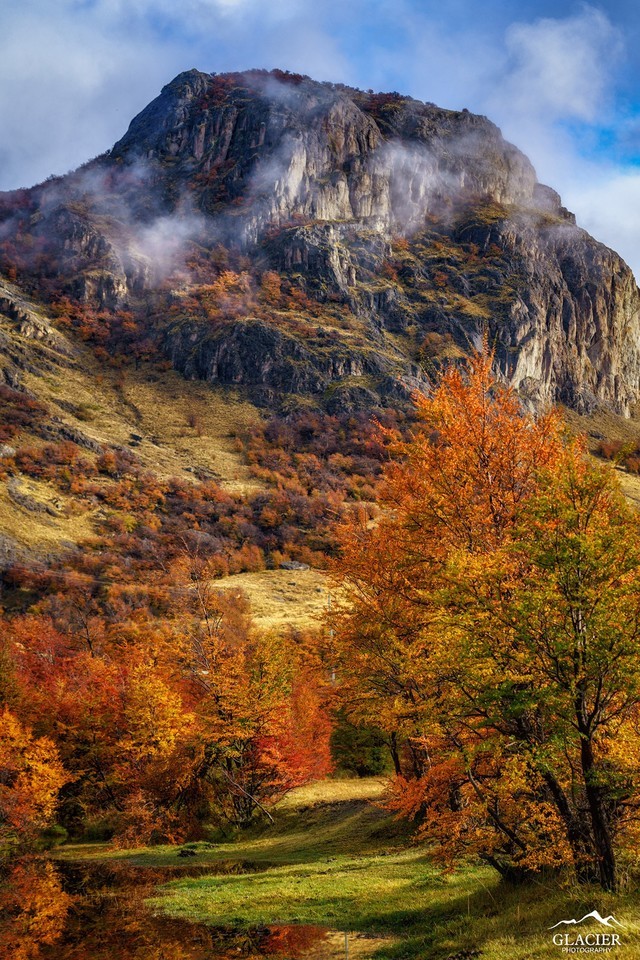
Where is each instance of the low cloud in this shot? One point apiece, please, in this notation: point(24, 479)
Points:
point(165, 242)
point(73, 73)
point(156, 246)
point(608, 206)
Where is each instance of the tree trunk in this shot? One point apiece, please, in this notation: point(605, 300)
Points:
point(395, 754)
point(603, 843)
point(578, 833)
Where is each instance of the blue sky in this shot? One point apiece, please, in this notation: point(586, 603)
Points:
point(562, 79)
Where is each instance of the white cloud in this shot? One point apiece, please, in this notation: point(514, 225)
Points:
point(607, 204)
point(193, 14)
point(73, 73)
point(557, 72)
point(560, 68)
point(65, 94)
point(553, 73)
point(537, 82)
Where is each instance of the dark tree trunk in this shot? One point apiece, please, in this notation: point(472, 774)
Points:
point(510, 872)
point(395, 754)
point(603, 842)
point(578, 833)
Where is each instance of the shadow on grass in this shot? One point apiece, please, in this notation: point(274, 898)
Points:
point(347, 865)
point(297, 836)
point(402, 898)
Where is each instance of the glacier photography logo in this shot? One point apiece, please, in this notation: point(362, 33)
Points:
point(587, 940)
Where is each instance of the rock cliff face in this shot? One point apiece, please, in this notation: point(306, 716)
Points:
point(314, 151)
point(405, 231)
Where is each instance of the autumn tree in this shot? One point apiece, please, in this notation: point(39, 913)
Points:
point(492, 629)
point(31, 776)
point(562, 608)
point(168, 712)
point(458, 483)
point(260, 727)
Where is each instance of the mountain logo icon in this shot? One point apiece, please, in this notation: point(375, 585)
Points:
point(609, 921)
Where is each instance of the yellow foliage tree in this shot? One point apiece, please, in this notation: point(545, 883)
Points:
point(492, 627)
point(31, 776)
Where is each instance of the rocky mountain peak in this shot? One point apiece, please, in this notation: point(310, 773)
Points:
point(394, 233)
point(323, 151)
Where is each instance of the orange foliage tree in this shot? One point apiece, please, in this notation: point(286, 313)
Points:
point(492, 629)
point(165, 718)
point(31, 776)
point(259, 728)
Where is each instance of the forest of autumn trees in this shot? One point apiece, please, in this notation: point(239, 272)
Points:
point(151, 705)
point(148, 727)
point(487, 638)
point(492, 629)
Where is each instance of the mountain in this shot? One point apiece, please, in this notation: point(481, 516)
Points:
point(304, 239)
point(213, 311)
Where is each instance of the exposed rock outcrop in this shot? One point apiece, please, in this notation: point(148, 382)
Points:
point(424, 226)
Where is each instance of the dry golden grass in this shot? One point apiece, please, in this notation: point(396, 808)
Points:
point(187, 428)
point(630, 484)
point(183, 424)
point(41, 532)
point(334, 791)
point(282, 598)
point(192, 424)
point(602, 424)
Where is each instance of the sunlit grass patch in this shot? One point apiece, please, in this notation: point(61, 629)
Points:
point(335, 859)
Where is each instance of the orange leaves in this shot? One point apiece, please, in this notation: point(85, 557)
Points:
point(31, 776)
point(19, 411)
point(33, 909)
point(490, 626)
point(488, 804)
point(161, 725)
point(305, 741)
point(260, 722)
point(154, 717)
point(271, 287)
point(231, 295)
point(474, 459)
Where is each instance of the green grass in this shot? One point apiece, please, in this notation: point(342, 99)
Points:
point(389, 896)
point(315, 822)
point(402, 897)
point(334, 858)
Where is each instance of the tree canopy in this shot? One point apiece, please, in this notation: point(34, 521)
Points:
point(491, 628)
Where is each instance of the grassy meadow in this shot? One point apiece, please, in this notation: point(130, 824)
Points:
point(335, 858)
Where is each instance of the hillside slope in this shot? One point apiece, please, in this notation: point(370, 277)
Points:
point(257, 267)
